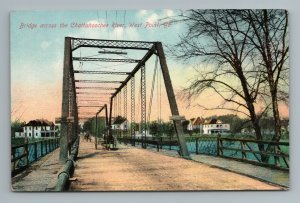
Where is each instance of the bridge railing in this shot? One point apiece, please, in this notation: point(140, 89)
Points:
point(274, 155)
point(206, 144)
point(23, 155)
point(158, 143)
point(198, 145)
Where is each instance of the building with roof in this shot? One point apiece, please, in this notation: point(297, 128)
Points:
point(39, 128)
point(120, 126)
point(214, 126)
point(196, 124)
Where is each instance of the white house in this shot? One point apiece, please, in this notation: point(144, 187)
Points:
point(214, 126)
point(120, 126)
point(38, 128)
point(196, 124)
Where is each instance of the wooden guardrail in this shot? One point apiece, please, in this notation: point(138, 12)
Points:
point(23, 155)
point(240, 149)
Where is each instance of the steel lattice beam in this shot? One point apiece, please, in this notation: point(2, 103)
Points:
point(136, 69)
point(115, 44)
point(97, 81)
point(112, 52)
point(88, 100)
point(143, 104)
point(94, 102)
point(120, 110)
point(72, 44)
point(94, 93)
point(125, 101)
point(99, 100)
point(101, 72)
point(119, 104)
point(106, 60)
point(100, 88)
point(89, 106)
point(132, 113)
point(88, 114)
point(82, 99)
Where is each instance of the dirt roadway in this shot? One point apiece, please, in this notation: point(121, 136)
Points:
point(134, 169)
point(41, 176)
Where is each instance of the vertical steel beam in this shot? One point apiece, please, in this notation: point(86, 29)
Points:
point(106, 116)
point(172, 101)
point(96, 133)
point(132, 113)
point(106, 124)
point(110, 119)
point(72, 135)
point(63, 155)
point(71, 104)
point(119, 113)
point(75, 108)
point(125, 110)
point(115, 110)
point(143, 105)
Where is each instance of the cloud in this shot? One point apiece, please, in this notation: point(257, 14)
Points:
point(45, 44)
point(119, 33)
point(142, 13)
point(96, 21)
point(92, 33)
point(168, 12)
point(153, 18)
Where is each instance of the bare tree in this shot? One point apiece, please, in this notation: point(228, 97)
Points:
point(268, 37)
point(212, 38)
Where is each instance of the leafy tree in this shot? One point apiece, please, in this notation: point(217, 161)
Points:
point(119, 120)
point(154, 128)
point(87, 126)
point(135, 126)
point(15, 126)
point(236, 123)
point(162, 129)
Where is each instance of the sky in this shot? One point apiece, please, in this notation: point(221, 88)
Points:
point(37, 45)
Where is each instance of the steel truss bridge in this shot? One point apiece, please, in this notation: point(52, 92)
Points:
point(108, 90)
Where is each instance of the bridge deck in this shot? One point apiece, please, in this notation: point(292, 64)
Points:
point(135, 169)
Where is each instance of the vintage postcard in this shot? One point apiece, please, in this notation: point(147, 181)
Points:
point(150, 100)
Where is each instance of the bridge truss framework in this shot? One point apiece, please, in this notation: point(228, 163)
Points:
point(71, 103)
